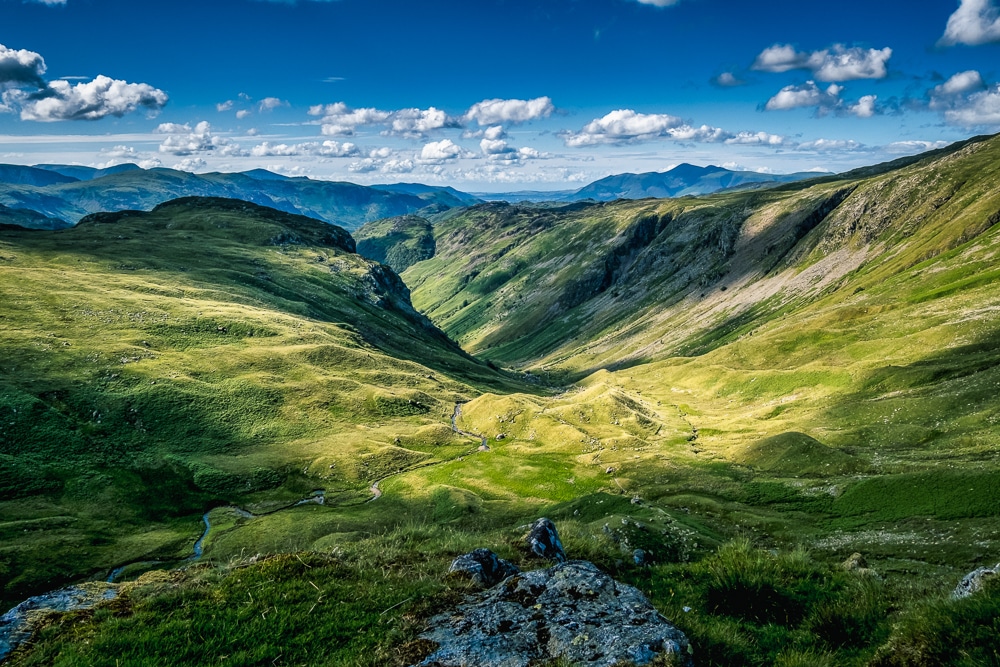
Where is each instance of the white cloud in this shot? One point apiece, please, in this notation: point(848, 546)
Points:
point(437, 152)
point(621, 126)
point(949, 94)
point(913, 147)
point(243, 113)
point(185, 140)
point(974, 22)
point(341, 120)
point(364, 166)
point(980, 109)
point(270, 104)
point(728, 80)
point(838, 63)
point(806, 95)
point(328, 148)
point(50, 2)
point(496, 111)
point(94, 100)
point(191, 164)
point(398, 167)
point(224, 106)
point(380, 153)
point(418, 122)
point(864, 108)
point(21, 67)
point(830, 145)
point(756, 139)
point(658, 3)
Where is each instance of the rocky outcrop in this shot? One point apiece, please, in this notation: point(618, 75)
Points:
point(543, 541)
point(18, 624)
point(482, 568)
point(571, 611)
point(974, 581)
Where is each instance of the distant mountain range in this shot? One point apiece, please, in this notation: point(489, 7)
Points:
point(48, 194)
point(51, 196)
point(682, 180)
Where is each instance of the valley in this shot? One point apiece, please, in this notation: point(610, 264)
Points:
point(750, 386)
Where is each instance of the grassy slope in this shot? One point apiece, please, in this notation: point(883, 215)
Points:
point(156, 364)
point(832, 347)
point(397, 242)
point(839, 394)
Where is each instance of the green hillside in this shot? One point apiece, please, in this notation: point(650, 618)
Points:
point(211, 351)
point(398, 242)
point(750, 387)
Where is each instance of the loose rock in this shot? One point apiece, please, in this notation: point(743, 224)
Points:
point(571, 611)
point(543, 540)
point(973, 582)
point(483, 568)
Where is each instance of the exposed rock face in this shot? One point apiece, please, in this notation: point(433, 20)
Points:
point(973, 582)
point(543, 540)
point(18, 624)
point(483, 568)
point(571, 610)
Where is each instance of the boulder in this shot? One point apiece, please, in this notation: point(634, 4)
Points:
point(483, 568)
point(571, 611)
point(543, 540)
point(973, 582)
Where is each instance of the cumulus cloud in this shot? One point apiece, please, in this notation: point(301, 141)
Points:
point(864, 107)
point(622, 126)
point(94, 100)
point(51, 3)
point(830, 145)
point(224, 106)
point(21, 68)
point(243, 113)
point(756, 139)
point(191, 164)
point(497, 111)
point(658, 3)
point(418, 122)
point(955, 91)
point(270, 104)
point(328, 148)
point(185, 140)
point(838, 63)
point(625, 126)
point(437, 152)
point(974, 22)
point(912, 147)
point(728, 80)
point(341, 120)
point(980, 109)
point(806, 95)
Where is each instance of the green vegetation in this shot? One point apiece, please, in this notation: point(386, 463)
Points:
point(397, 242)
point(752, 387)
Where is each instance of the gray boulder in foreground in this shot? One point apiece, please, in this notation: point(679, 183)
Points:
point(18, 624)
point(483, 568)
point(543, 540)
point(571, 610)
point(973, 581)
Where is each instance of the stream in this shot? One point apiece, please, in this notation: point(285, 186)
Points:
point(16, 627)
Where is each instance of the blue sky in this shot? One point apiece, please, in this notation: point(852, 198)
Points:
point(491, 95)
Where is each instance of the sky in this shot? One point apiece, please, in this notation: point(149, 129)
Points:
point(493, 95)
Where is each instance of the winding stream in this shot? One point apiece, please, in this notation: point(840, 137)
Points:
point(16, 628)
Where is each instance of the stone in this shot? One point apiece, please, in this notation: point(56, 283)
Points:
point(543, 540)
point(18, 624)
point(483, 568)
point(855, 562)
point(973, 582)
point(640, 557)
point(571, 611)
